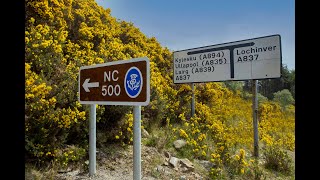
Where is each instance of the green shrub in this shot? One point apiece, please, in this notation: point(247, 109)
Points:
point(152, 141)
point(185, 152)
point(262, 98)
point(255, 171)
point(69, 154)
point(278, 160)
point(284, 97)
point(237, 164)
point(234, 86)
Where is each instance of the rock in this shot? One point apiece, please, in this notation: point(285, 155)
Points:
point(185, 169)
point(166, 172)
point(206, 164)
point(197, 176)
point(166, 163)
point(149, 178)
point(144, 133)
point(186, 163)
point(110, 167)
point(159, 168)
point(64, 170)
point(167, 156)
point(183, 177)
point(174, 162)
point(179, 143)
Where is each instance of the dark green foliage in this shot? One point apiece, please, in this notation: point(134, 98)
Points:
point(269, 86)
point(283, 97)
point(278, 160)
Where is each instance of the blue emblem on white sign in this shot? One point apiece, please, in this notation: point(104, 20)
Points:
point(133, 82)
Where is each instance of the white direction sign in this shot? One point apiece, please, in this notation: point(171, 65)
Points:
point(258, 58)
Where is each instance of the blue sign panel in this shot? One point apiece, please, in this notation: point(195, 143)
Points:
point(133, 82)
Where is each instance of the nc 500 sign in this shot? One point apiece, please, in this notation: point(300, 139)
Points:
point(125, 82)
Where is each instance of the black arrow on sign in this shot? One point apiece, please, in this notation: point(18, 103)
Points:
point(231, 48)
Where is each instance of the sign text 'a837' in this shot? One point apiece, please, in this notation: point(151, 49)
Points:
point(125, 82)
point(257, 58)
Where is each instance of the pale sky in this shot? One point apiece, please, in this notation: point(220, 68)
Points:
point(185, 24)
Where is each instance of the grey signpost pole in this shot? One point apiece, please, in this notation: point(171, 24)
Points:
point(255, 117)
point(92, 140)
point(136, 142)
point(192, 101)
point(103, 84)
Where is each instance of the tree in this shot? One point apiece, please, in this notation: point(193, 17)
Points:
point(267, 87)
point(284, 97)
point(234, 85)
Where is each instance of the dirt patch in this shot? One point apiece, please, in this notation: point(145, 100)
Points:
point(115, 162)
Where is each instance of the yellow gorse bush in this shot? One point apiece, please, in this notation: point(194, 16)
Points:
point(63, 35)
point(277, 126)
point(223, 123)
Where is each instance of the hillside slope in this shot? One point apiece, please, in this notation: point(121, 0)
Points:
point(63, 35)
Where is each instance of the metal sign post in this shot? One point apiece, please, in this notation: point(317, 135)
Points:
point(192, 101)
point(92, 140)
point(255, 117)
point(137, 142)
point(125, 82)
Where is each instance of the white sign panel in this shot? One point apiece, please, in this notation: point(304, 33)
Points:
point(258, 58)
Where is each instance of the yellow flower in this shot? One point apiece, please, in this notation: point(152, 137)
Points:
point(32, 20)
point(242, 153)
point(204, 153)
point(117, 137)
point(183, 133)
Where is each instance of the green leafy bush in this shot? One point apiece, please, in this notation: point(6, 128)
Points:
point(284, 97)
point(69, 154)
point(278, 160)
